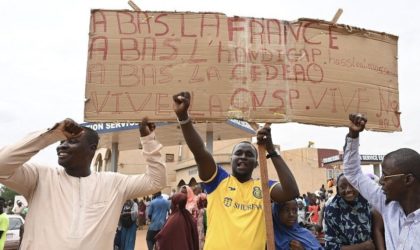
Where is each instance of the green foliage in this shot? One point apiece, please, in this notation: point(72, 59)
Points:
point(7, 193)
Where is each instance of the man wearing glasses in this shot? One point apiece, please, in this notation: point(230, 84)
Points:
point(397, 197)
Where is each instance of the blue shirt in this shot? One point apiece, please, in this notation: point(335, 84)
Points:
point(158, 210)
point(347, 224)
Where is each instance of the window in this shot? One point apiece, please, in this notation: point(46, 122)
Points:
point(170, 157)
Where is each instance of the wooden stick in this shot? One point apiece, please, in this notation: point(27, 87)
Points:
point(337, 16)
point(266, 197)
point(133, 5)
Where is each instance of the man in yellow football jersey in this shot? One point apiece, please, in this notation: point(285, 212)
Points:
point(235, 206)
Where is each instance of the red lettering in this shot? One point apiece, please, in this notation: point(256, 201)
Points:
point(129, 49)
point(128, 76)
point(142, 104)
point(164, 72)
point(255, 102)
point(193, 52)
point(203, 24)
point(96, 74)
point(94, 98)
point(192, 112)
point(143, 21)
point(235, 76)
point(236, 102)
point(213, 72)
point(278, 95)
point(149, 72)
point(183, 28)
point(99, 44)
point(126, 23)
point(271, 76)
point(194, 77)
point(332, 38)
point(152, 47)
point(274, 31)
point(255, 73)
point(231, 28)
point(166, 27)
point(215, 105)
point(220, 51)
point(162, 104)
point(256, 31)
point(117, 103)
point(315, 73)
point(168, 42)
point(304, 34)
point(101, 21)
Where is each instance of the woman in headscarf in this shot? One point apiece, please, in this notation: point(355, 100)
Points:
point(348, 219)
point(287, 232)
point(202, 219)
point(191, 201)
point(180, 230)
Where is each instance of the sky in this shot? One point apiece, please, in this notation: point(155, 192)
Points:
point(43, 57)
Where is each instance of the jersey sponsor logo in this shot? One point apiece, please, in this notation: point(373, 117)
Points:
point(246, 207)
point(232, 188)
point(257, 192)
point(227, 201)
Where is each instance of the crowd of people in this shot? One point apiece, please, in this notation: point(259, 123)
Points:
point(356, 212)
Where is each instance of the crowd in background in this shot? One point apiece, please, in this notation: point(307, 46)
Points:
point(315, 218)
point(178, 220)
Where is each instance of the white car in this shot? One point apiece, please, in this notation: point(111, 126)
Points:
point(12, 235)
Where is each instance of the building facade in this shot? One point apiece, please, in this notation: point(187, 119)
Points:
point(305, 163)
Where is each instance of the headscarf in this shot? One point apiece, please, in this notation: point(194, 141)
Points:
point(201, 201)
point(356, 212)
point(283, 234)
point(180, 231)
point(191, 201)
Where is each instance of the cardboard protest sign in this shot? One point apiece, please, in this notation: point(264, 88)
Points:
point(255, 69)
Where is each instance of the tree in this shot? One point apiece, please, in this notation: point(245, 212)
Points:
point(7, 193)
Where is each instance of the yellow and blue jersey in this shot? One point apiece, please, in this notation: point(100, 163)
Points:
point(234, 213)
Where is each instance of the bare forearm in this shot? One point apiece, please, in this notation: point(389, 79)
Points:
point(289, 188)
point(203, 158)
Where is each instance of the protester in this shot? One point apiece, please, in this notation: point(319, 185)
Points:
point(72, 207)
point(191, 201)
point(4, 223)
point(19, 208)
point(158, 212)
point(9, 207)
point(180, 231)
point(202, 219)
point(128, 225)
point(313, 209)
point(301, 213)
point(397, 197)
point(287, 232)
point(141, 219)
point(348, 219)
point(235, 213)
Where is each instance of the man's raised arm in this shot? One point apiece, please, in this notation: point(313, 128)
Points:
point(13, 157)
point(351, 161)
point(288, 189)
point(205, 162)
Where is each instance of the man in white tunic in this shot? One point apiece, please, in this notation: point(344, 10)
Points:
point(397, 197)
point(70, 206)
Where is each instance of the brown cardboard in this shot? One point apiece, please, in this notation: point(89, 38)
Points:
point(255, 69)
